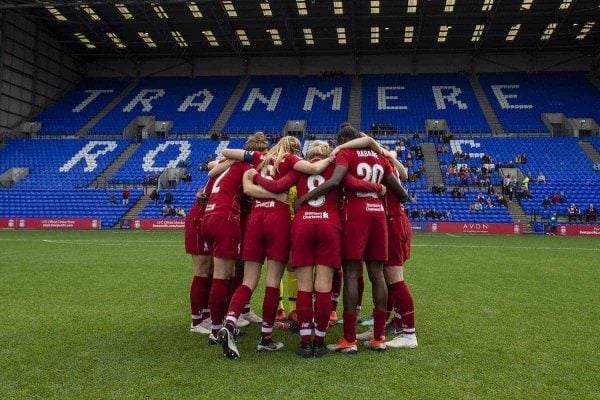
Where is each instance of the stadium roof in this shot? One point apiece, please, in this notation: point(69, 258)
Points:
point(246, 28)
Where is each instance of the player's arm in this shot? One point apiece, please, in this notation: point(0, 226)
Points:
point(361, 185)
point(234, 154)
point(217, 168)
point(360, 143)
point(338, 175)
point(309, 168)
point(276, 186)
point(253, 190)
point(393, 184)
point(393, 157)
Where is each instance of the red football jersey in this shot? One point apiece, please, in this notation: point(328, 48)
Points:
point(367, 165)
point(286, 165)
point(393, 206)
point(227, 191)
point(207, 191)
point(323, 209)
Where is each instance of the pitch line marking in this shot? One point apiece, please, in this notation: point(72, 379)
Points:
point(453, 235)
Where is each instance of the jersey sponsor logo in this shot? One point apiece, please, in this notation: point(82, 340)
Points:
point(210, 207)
point(265, 204)
point(374, 207)
point(315, 215)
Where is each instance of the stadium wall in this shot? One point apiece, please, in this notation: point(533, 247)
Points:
point(367, 64)
point(35, 70)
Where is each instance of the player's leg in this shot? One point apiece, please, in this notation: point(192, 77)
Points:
point(347, 344)
point(304, 308)
point(273, 279)
point(219, 293)
point(322, 288)
point(292, 292)
point(199, 292)
point(336, 287)
point(403, 307)
point(379, 292)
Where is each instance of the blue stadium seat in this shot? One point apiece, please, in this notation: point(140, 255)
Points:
point(520, 99)
point(79, 106)
point(405, 101)
point(192, 104)
point(269, 101)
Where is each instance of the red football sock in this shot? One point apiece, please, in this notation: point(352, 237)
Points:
point(234, 283)
point(322, 304)
point(404, 304)
point(336, 287)
point(218, 302)
point(394, 293)
point(349, 326)
point(379, 323)
point(390, 304)
point(269, 311)
point(199, 291)
point(304, 308)
point(240, 298)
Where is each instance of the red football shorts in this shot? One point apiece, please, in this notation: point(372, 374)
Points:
point(222, 235)
point(267, 235)
point(316, 244)
point(365, 238)
point(399, 238)
point(194, 241)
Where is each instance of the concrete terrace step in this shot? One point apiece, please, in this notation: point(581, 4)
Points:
point(488, 111)
point(225, 114)
point(113, 167)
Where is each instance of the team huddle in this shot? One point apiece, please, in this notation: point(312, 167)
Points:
point(348, 214)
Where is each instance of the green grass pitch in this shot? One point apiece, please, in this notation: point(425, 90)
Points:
point(105, 315)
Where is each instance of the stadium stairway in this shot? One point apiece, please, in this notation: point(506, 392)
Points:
point(113, 167)
point(225, 114)
point(136, 209)
point(84, 130)
point(590, 151)
point(355, 101)
point(485, 105)
point(518, 215)
point(431, 165)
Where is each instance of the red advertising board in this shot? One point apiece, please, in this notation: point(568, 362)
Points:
point(158, 224)
point(57, 223)
point(476, 227)
point(8, 223)
point(579, 230)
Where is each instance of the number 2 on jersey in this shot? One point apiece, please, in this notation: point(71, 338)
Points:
point(373, 174)
point(216, 186)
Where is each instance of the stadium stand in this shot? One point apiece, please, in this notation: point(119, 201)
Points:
point(79, 106)
point(192, 104)
point(405, 101)
point(269, 101)
point(71, 163)
point(519, 99)
point(66, 203)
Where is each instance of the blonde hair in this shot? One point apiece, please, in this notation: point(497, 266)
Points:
point(257, 142)
point(286, 145)
point(318, 148)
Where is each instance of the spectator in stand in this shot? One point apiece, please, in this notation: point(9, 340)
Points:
point(451, 171)
point(112, 199)
point(486, 159)
point(505, 184)
point(476, 181)
point(488, 203)
point(478, 206)
point(562, 198)
point(524, 194)
point(461, 193)
point(546, 202)
point(596, 167)
point(553, 225)
point(490, 189)
point(526, 181)
point(590, 214)
point(172, 212)
point(480, 198)
point(555, 198)
point(572, 212)
point(414, 214)
point(413, 198)
point(541, 178)
point(511, 193)
point(180, 212)
point(169, 198)
point(454, 194)
point(125, 196)
point(165, 211)
point(523, 159)
point(500, 199)
point(155, 197)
